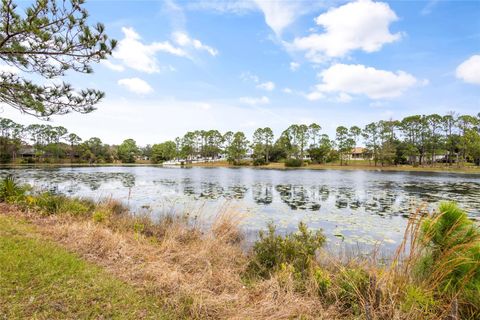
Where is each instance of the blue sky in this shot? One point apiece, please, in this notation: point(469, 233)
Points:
point(239, 65)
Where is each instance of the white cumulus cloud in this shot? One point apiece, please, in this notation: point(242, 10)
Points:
point(268, 86)
point(136, 85)
point(469, 70)
point(184, 40)
point(279, 13)
point(255, 101)
point(360, 25)
point(294, 66)
point(345, 80)
point(314, 95)
point(113, 66)
point(142, 57)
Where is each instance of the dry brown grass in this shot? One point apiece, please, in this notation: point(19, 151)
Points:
point(196, 274)
point(198, 271)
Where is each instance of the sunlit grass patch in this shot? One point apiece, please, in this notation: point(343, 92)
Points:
point(39, 279)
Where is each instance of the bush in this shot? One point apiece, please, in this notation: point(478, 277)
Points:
point(322, 280)
point(49, 203)
point(76, 207)
point(5, 158)
point(449, 262)
point(259, 162)
point(272, 251)
point(418, 300)
point(241, 162)
point(293, 163)
point(100, 215)
point(353, 283)
point(11, 191)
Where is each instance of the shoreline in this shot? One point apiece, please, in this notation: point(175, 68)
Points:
point(178, 268)
point(271, 166)
point(403, 168)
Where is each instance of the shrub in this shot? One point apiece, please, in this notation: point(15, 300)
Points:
point(11, 191)
point(418, 300)
point(76, 207)
point(241, 162)
point(5, 158)
point(272, 251)
point(100, 215)
point(322, 280)
point(353, 284)
point(49, 203)
point(293, 163)
point(259, 162)
point(449, 261)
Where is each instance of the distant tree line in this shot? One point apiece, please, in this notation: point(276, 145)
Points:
point(414, 140)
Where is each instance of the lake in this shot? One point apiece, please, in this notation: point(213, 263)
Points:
point(352, 207)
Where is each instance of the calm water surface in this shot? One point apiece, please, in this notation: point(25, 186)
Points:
point(353, 207)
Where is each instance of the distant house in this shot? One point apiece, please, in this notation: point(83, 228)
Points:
point(358, 153)
point(28, 152)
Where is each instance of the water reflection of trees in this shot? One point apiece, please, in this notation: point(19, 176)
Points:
point(213, 191)
point(52, 180)
point(376, 197)
point(344, 197)
point(382, 198)
point(262, 193)
point(298, 197)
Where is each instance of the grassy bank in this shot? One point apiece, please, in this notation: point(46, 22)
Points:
point(199, 273)
point(352, 165)
point(42, 280)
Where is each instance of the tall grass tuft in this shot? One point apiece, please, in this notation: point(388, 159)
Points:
point(450, 258)
point(11, 191)
point(444, 262)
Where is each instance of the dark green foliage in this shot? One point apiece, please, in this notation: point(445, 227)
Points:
point(163, 152)
point(11, 191)
point(352, 283)
point(293, 163)
point(48, 39)
point(418, 299)
point(259, 162)
point(297, 249)
point(241, 162)
point(49, 203)
point(128, 151)
point(450, 256)
point(323, 280)
point(237, 149)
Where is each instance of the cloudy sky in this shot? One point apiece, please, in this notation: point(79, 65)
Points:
point(239, 65)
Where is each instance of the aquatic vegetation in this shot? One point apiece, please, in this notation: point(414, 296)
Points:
point(207, 273)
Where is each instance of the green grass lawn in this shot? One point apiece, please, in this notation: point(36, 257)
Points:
point(40, 280)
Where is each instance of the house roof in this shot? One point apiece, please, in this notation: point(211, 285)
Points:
point(358, 150)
